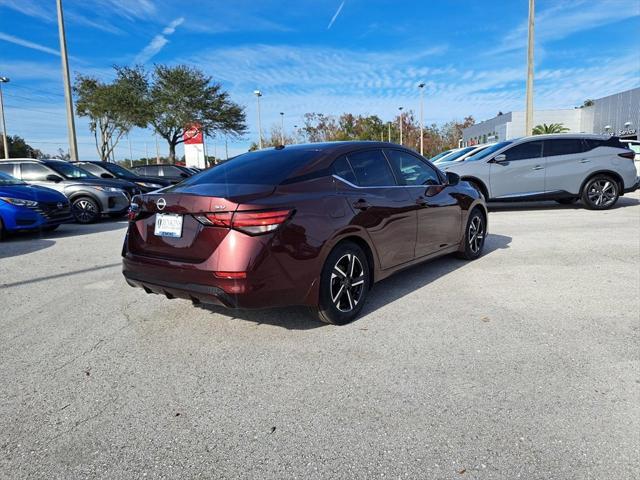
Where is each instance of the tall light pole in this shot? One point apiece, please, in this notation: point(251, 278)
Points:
point(282, 128)
point(258, 94)
point(130, 151)
point(4, 124)
point(400, 120)
point(421, 87)
point(389, 129)
point(295, 134)
point(71, 127)
point(528, 126)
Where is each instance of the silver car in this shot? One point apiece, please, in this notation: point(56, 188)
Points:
point(89, 195)
point(563, 167)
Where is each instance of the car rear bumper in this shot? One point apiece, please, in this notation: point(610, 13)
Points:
point(262, 288)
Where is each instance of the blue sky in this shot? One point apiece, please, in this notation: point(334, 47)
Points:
point(328, 56)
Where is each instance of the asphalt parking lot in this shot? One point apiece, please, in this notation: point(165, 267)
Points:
point(522, 364)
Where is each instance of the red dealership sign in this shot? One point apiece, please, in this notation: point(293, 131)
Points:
point(193, 135)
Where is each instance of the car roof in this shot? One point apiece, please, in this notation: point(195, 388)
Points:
point(548, 136)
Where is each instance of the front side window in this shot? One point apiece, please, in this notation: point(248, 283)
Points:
point(413, 171)
point(562, 146)
point(371, 169)
point(487, 151)
point(524, 151)
point(34, 172)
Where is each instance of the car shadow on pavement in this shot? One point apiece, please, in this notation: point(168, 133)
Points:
point(551, 205)
point(23, 243)
point(383, 293)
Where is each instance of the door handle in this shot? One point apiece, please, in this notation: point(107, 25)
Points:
point(361, 204)
point(584, 160)
point(537, 167)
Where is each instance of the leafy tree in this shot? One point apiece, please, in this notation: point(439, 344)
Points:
point(181, 96)
point(113, 108)
point(18, 148)
point(550, 128)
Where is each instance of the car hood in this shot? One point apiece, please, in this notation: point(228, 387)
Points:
point(32, 192)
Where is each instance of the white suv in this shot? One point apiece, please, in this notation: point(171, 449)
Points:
point(562, 167)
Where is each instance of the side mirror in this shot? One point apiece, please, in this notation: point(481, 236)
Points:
point(106, 175)
point(53, 178)
point(453, 178)
point(499, 158)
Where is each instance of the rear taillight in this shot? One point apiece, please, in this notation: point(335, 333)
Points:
point(628, 154)
point(253, 223)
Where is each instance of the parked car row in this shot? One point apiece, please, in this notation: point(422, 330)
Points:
point(563, 167)
point(42, 194)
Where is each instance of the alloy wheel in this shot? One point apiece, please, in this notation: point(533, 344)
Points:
point(602, 193)
point(347, 282)
point(84, 211)
point(476, 234)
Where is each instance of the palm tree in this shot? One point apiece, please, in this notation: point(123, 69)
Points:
point(551, 128)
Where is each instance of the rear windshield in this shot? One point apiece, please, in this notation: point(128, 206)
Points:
point(264, 167)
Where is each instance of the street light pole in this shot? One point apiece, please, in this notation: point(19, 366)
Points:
point(258, 94)
point(130, 151)
point(421, 87)
point(282, 128)
point(529, 95)
point(5, 143)
point(389, 126)
point(71, 127)
point(400, 108)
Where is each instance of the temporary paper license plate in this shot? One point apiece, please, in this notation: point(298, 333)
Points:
point(168, 225)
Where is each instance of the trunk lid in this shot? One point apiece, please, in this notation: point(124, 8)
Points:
point(196, 242)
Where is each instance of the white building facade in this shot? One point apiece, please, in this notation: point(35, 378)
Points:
point(617, 114)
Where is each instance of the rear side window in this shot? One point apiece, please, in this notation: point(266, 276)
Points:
point(524, 151)
point(95, 169)
point(6, 168)
point(342, 169)
point(34, 172)
point(562, 146)
point(590, 144)
point(264, 167)
point(371, 169)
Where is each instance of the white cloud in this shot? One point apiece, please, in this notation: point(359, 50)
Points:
point(27, 44)
point(568, 17)
point(158, 42)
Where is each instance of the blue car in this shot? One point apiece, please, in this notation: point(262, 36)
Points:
point(30, 207)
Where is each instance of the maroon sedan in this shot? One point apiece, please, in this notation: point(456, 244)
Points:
point(312, 225)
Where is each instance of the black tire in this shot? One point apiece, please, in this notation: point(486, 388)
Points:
point(2, 231)
point(475, 234)
point(85, 210)
point(567, 201)
point(600, 192)
point(344, 284)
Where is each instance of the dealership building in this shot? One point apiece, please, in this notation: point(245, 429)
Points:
point(617, 114)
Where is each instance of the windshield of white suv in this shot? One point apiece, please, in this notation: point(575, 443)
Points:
point(487, 151)
point(455, 155)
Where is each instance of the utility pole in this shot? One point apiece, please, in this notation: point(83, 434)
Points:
point(389, 125)
point(226, 147)
point(258, 94)
point(529, 100)
point(5, 143)
point(421, 87)
point(400, 118)
point(71, 127)
point(146, 152)
point(282, 128)
point(130, 151)
point(157, 151)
